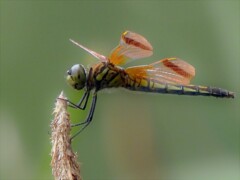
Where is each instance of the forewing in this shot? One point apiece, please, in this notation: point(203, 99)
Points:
point(93, 53)
point(132, 46)
point(169, 70)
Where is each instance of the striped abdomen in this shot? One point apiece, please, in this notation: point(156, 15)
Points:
point(151, 86)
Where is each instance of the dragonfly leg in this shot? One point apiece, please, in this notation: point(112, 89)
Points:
point(83, 101)
point(78, 106)
point(89, 117)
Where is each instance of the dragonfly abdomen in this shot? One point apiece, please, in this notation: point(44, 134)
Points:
point(194, 90)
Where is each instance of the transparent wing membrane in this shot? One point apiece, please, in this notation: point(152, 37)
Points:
point(132, 46)
point(93, 53)
point(169, 70)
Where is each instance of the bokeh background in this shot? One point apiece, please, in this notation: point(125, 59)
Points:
point(133, 135)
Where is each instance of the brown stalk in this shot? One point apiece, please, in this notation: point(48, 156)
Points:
point(64, 160)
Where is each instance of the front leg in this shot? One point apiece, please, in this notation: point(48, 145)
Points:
point(83, 101)
point(89, 117)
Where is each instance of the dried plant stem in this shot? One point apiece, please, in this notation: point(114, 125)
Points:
point(64, 160)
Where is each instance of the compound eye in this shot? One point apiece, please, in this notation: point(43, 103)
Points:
point(76, 76)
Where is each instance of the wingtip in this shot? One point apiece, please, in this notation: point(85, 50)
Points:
point(70, 39)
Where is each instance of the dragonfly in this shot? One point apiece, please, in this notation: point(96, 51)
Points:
point(169, 75)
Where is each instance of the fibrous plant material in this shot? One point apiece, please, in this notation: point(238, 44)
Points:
point(64, 160)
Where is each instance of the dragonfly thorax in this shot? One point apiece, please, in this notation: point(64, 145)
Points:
point(76, 76)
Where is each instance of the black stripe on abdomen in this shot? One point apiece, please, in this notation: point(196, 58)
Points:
point(192, 90)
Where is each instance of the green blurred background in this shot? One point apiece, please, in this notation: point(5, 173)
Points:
point(133, 135)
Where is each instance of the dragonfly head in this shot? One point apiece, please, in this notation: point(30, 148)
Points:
point(76, 76)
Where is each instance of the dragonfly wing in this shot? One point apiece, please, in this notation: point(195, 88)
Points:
point(95, 54)
point(132, 46)
point(169, 70)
